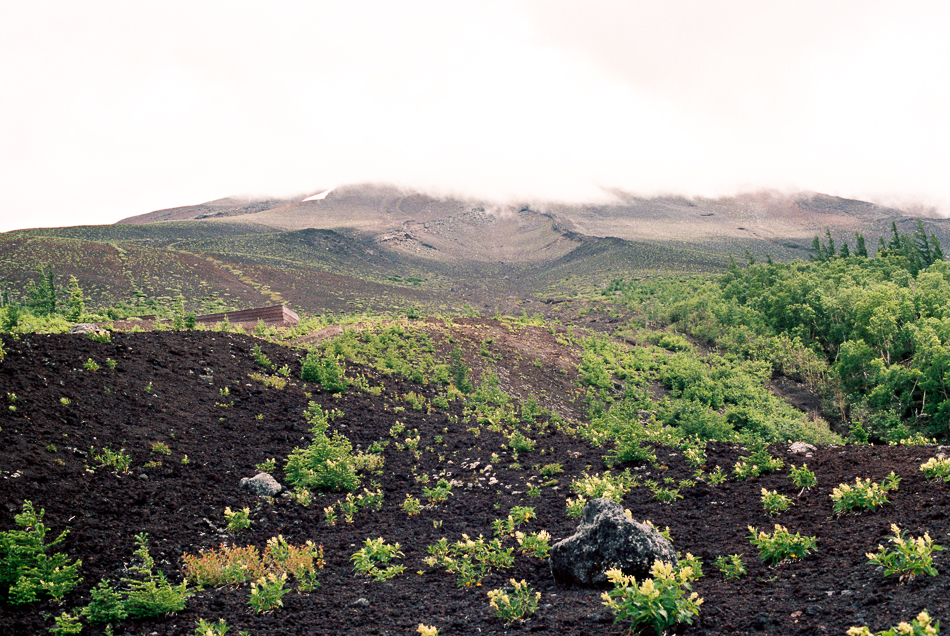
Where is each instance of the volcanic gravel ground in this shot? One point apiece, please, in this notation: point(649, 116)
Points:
point(168, 387)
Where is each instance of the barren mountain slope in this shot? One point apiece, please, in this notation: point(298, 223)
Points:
point(217, 209)
point(449, 229)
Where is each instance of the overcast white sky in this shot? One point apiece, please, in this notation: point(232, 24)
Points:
point(110, 109)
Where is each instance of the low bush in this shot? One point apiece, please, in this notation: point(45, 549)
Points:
point(27, 569)
point(659, 602)
point(237, 519)
point(233, 565)
point(261, 358)
point(517, 605)
point(909, 558)
point(608, 485)
point(324, 371)
point(864, 494)
point(781, 544)
point(773, 502)
point(148, 594)
point(470, 559)
point(934, 468)
point(440, 492)
point(328, 463)
point(374, 557)
point(758, 463)
point(118, 460)
point(536, 543)
point(267, 593)
point(731, 566)
point(920, 626)
point(66, 624)
point(802, 477)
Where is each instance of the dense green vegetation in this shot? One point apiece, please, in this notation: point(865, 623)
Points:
point(872, 335)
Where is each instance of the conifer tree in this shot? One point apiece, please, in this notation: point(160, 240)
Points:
point(860, 248)
point(77, 303)
point(43, 294)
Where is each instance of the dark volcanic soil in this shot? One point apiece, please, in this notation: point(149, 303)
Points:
point(155, 394)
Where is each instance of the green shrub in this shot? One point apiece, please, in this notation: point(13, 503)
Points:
point(440, 492)
point(660, 602)
point(204, 628)
point(773, 502)
point(267, 466)
point(934, 468)
point(669, 341)
point(608, 485)
point(516, 517)
point(267, 592)
point(758, 463)
point(864, 494)
point(119, 460)
point(802, 477)
point(328, 463)
point(921, 626)
point(909, 558)
point(781, 544)
point(458, 371)
point(521, 603)
point(631, 448)
point(470, 559)
point(731, 566)
point(27, 571)
point(261, 358)
point(150, 593)
point(374, 554)
point(692, 418)
point(66, 624)
point(237, 519)
point(536, 543)
point(324, 371)
point(107, 605)
point(147, 594)
point(520, 443)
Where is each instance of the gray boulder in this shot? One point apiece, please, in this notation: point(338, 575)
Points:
point(607, 538)
point(261, 484)
point(86, 327)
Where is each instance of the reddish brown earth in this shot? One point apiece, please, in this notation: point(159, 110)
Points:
point(43, 458)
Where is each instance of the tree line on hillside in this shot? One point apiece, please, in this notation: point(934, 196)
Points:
point(44, 304)
point(920, 250)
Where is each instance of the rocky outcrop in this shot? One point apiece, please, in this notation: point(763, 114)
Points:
point(605, 539)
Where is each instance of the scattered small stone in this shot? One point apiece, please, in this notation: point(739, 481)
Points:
point(87, 327)
point(360, 602)
point(261, 484)
point(801, 448)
